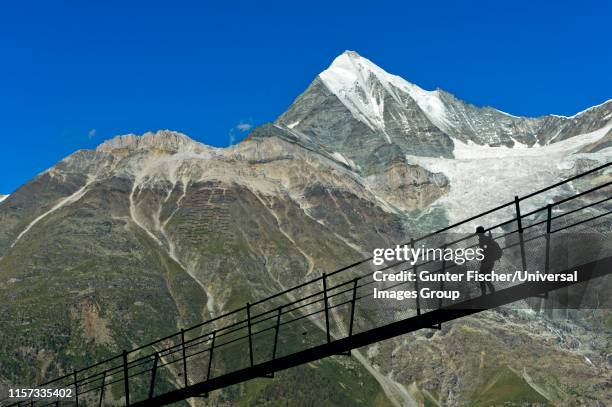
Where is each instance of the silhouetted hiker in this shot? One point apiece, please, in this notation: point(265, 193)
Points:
point(492, 252)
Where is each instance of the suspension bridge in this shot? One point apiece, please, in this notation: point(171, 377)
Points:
point(554, 230)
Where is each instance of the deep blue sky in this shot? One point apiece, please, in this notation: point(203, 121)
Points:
point(74, 73)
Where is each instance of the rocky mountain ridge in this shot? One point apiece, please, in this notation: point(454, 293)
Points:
point(146, 234)
point(373, 118)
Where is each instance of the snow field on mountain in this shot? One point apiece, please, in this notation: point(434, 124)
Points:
point(482, 177)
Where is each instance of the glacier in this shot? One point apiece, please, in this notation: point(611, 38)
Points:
point(482, 177)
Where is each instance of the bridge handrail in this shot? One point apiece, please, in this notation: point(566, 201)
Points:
point(133, 363)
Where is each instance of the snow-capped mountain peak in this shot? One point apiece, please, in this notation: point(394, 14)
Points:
point(361, 85)
point(3, 197)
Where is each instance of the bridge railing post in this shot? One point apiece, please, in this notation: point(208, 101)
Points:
point(548, 218)
point(248, 310)
point(153, 375)
point(442, 280)
point(276, 329)
point(326, 304)
point(76, 388)
point(184, 357)
point(517, 208)
point(353, 300)
point(126, 380)
point(519, 221)
point(210, 359)
point(416, 288)
point(548, 231)
point(416, 283)
point(102, 389)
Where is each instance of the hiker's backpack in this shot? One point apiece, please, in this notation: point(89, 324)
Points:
point(494, 250)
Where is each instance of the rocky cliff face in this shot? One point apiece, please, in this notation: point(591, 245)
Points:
point(149, 234)
point(146, 234)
